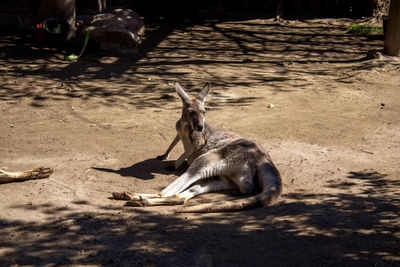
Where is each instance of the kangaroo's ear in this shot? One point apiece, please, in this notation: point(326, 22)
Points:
point(204, 92)
point(181, 93)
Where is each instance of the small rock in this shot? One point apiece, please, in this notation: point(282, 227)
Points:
point(374, 54)
point(114, 75)
point(167, 97)
point(271, 105)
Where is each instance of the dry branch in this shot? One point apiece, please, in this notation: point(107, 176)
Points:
point(38, 173)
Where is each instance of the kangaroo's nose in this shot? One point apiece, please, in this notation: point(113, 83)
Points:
point(199, 127)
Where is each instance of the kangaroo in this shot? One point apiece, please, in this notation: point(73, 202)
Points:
point(218, 160)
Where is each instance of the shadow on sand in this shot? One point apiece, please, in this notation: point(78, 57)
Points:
point(145, 170)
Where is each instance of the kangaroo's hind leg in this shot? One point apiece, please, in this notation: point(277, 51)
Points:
point(206, 186)
point(207, 165)
point(202, 187)
point(244, 178)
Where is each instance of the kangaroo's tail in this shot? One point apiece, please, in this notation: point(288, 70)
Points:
point(271, 183)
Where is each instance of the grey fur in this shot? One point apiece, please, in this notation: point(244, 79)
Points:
point(233, 160)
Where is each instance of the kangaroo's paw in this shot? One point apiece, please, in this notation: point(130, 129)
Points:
point(161, 157)
point(121, 196)
point(160, 201)
point(130, 196)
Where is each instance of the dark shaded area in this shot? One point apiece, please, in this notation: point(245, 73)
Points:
point(341, 229)
point(180, 9)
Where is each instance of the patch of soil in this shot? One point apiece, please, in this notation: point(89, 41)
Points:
point(333, 133)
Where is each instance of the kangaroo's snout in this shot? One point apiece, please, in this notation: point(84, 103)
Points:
point(199, 127)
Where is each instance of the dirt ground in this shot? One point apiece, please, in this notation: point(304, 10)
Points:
point(334, 134)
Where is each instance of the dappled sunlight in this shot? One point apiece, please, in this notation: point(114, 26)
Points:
point(280, 57)
point(303, 89)
point(329, 228)
point(348, 229)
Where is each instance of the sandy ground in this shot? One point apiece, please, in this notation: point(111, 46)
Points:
point(334, 134)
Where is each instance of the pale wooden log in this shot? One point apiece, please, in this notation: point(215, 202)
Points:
point(38, 173)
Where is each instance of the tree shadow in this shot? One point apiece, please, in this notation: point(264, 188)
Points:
point(283, 57)
point(304, 230)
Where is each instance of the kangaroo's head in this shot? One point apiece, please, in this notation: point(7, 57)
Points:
point(193, 111)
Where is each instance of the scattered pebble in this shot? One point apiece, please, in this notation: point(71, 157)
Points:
point(374, 54)
point(114, 75)
point(167, 97)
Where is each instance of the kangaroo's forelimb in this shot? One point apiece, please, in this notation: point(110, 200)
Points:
point(182, 158)
point(171, 146)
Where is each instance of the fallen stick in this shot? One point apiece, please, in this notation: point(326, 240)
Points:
point(38, 173)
